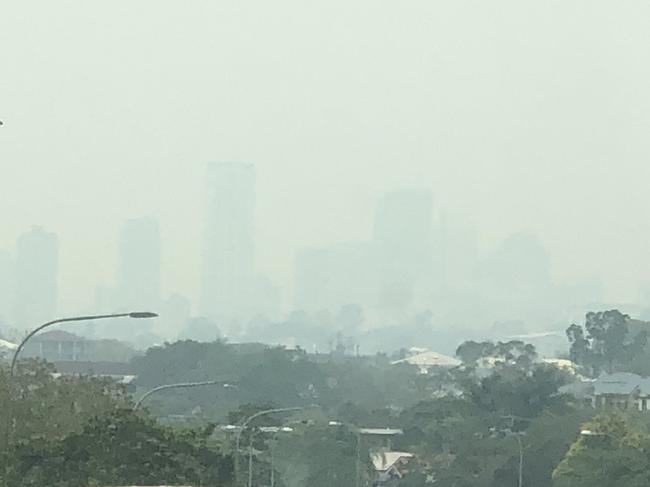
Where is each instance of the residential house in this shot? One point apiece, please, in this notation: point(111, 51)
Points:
point(427, 360)
point(63, 346)
point(621, 390)
point(55, 345)
point(118, 372)
point(390, 467)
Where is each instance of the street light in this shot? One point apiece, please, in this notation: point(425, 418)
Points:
point(275, 431)
point(517, 435)
point(590, 433)
point(179, 386)
point(357, 431)
point(135, 315)
point(255, 416)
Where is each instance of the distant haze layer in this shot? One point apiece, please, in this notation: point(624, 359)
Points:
point(517, 115)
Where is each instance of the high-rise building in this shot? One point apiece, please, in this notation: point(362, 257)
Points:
point(138, 285)
point(403, 230)
point(6, 287)
point(35, 277)
point(403, 246)
point(228, 254)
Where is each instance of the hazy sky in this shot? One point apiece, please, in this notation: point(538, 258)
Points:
point(526, 115)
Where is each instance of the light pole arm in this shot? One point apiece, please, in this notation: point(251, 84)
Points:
point(62, 320)
point(251, 418)
point(177, 386)
point(263, 413)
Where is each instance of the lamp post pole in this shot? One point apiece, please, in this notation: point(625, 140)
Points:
point(179, 385)
point(247, 422)
point(521, 460)
point(136, 315)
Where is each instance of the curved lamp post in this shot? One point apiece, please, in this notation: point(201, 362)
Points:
point(255, 416)
point(179, 385)
point(353, 428)
point(135, 314)
point(280, 429)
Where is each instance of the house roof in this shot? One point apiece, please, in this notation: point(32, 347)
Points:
point(622, 383)
point(380, 431)
point(57, 336)
point(92, 368)
point(429, 359)
point(8, 345)
point(385, 460)
point(119, 379)
point(561, 363)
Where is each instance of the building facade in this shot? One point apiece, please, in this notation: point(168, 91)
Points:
point(35, 277)
point(228, 270)
point(139, 265)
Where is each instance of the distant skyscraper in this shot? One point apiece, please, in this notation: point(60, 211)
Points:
point(6, 287)
point(403, 230)
point(228, 254)
point(139, 263)
point(403, 243)
point(35, 277)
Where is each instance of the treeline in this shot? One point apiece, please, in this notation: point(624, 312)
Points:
point(467, 426)
point(81, 432)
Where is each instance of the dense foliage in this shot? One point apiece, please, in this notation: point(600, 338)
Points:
point(616, 451)
point(467, 426)
point(82, 432)
point(118, 448)
point(606, 343)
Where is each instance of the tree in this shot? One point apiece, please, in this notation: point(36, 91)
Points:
point(580, 350)
point(605, 344)
point(514, 352)
point(519, 392)
point(37, 403)
point(321, 456)
point(470, 352)
point(120, 448)
point(613, 454)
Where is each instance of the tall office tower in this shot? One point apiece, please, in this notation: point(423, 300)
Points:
point(35, 277)
point(516, 282)
point(457, 251)
point(228, 253)
point(402, 241)
point(6, 287)
point(138, 286)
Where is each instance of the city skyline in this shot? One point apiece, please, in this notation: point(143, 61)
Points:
point(485, 123)
point(416, 254)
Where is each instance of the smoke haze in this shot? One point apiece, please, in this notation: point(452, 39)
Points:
point(518, 116)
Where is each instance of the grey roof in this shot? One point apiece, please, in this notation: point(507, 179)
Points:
point(380, 431)
point(622, 384)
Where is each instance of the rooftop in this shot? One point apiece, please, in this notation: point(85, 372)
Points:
point(380, 431)
point(57, 336)
point(429, 359)
point(622, 383)
point(93, 368)
point(383, 461)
